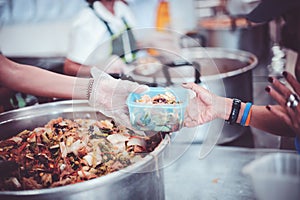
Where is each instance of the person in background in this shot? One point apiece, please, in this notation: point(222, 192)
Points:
point(282, 119)
point(290, 31)
point(100, 91)
point(100, 28)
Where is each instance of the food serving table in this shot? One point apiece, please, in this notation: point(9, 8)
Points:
point(183, 174)
point(217, 176)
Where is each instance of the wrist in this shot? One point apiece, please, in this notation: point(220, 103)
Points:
point(83, 88)
point(235, 110)
point(224, 107)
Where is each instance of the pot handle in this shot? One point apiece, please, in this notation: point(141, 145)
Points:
point(197, 68)
point(123, 76)
point(194, 64)
point(233, 21)
point(192, 39)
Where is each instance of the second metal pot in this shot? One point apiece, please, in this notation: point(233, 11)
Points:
point(236, 33)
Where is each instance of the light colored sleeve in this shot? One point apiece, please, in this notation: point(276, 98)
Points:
point(128, 14)
point(86, 35)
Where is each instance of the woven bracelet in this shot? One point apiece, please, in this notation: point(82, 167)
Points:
point(236, 105)
point(89, 88)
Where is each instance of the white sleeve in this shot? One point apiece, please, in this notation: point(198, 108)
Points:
point(125, 11)
point(87, 33)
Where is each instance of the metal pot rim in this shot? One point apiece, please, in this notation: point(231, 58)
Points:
point(192, 53)
point(80, 106)
point(216, 52)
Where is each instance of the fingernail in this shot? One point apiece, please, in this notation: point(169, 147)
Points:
point(270, 79)
point(284, 73)
point(268, 107)
point(268, 89)
point(184, 83)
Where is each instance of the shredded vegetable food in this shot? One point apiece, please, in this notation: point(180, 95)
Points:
point(167, 98)
point(68, 151)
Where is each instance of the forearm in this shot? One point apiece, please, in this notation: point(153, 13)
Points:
point(265, 120)
point(36, 81)
point(261, 118)
point(54, 85)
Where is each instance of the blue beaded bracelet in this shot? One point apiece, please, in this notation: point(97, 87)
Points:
point(297, 144)
point(246, 113)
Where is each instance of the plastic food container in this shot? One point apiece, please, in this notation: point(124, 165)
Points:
point(275, 176)
point(158, 117)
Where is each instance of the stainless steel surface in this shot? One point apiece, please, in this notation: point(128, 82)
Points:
point(218, 176)
point(279, 173)
point(142, 180)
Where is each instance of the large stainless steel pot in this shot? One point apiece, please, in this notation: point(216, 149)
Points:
point(236, 33)
point(226, 72)
point(142, 180)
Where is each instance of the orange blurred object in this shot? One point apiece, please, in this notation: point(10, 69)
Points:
point(162, 21)
point(163, 15)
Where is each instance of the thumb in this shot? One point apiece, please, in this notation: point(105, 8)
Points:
point(202, 93)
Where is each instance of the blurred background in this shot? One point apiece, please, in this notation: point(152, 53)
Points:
point(37, 32)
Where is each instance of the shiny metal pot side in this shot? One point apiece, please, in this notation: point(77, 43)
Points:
point(142, 180)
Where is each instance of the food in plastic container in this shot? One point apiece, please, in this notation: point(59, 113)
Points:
point(159, 109)
point(275, 176)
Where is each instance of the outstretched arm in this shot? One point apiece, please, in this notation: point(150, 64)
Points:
point(40, 82)
point(207, 106)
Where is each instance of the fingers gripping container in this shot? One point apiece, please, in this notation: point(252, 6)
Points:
point(158, 117)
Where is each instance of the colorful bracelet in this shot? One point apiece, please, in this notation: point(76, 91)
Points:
point(236, 105)
point(246, 114)
point(248, 118)
point(297, 144)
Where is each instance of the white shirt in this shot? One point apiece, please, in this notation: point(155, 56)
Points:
point(89, 39)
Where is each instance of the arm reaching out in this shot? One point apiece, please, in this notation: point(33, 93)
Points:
point(40, 82)
point(206, 106)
